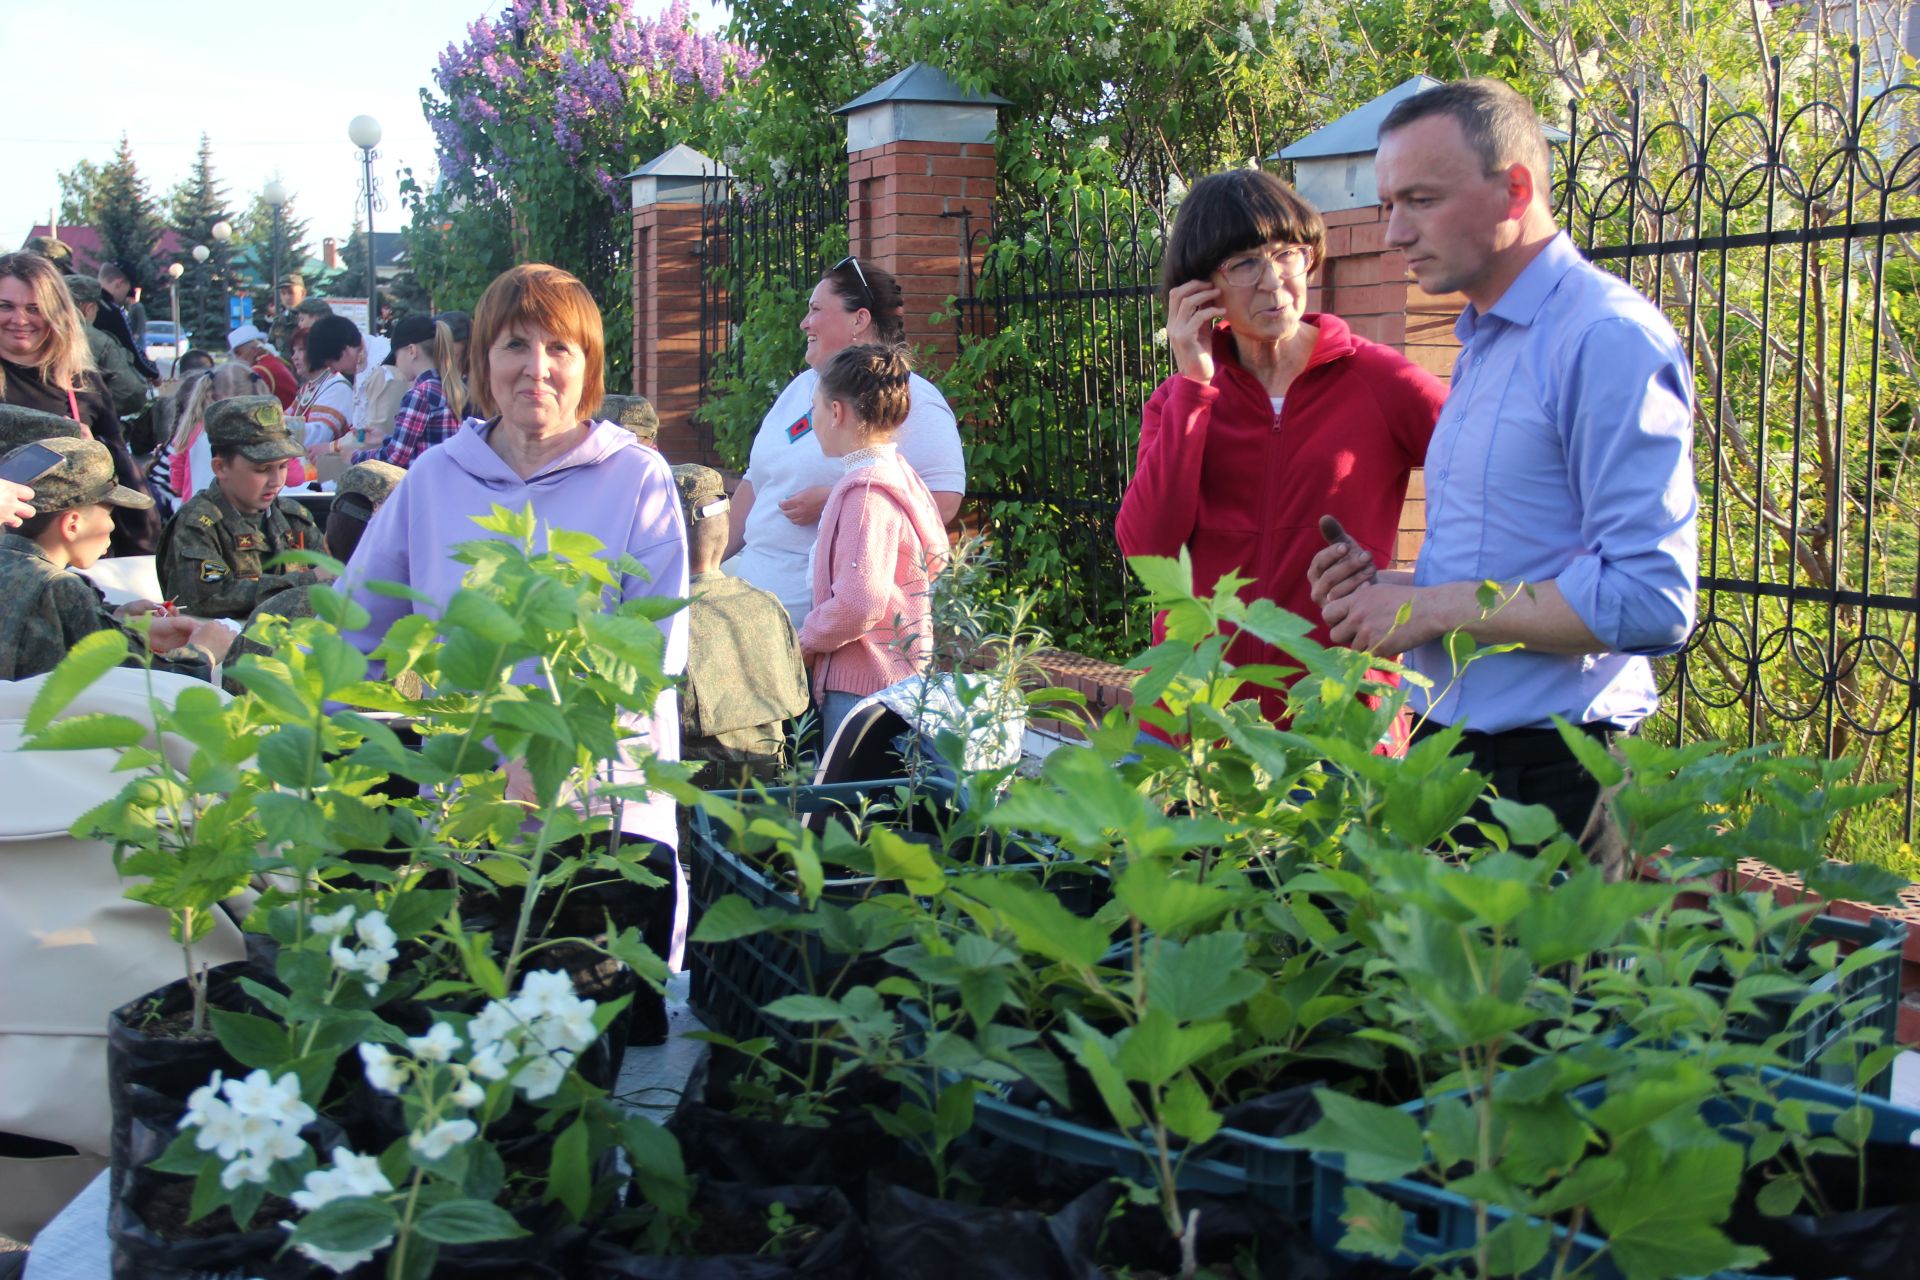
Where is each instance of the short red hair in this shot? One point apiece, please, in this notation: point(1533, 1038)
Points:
point(536, 295)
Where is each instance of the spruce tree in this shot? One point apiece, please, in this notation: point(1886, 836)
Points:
point(125, 219)
point(193, 208)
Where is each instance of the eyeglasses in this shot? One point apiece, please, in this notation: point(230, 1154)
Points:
point(1251, 268)
point(873, 303)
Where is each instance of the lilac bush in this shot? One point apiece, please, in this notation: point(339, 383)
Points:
point(536, 114)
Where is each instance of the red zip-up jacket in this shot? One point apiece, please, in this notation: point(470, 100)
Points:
point(1220, 475)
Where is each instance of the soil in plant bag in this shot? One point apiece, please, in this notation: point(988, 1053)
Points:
point(152, 1239)
point(838, 1153)
point(1236, 1238)
point(737, 1239)
point(1880, 1240)
point(917, 1237)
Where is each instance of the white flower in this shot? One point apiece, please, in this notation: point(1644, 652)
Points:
point(263, 1096)
point(1108, 49)
point(1101, 143)
point(470, 1093)
point(1244, 36)
point(496, 1023)
point(351, 1175)
point(442, 1138)
point(246, 1169)
point(435, 1046)
point(385, 1071)
point(541, 1077)
point(544, 991)
point(374, 932)
point(490, 1063)
point(330, 926)
point(336, 1261)
point(222, 1130)
point(203, 1101)
point(283, 1142)
point(780, 168)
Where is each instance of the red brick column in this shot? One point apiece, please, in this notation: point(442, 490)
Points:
point(666, 325)
point(910, 208)
point(1366, 284)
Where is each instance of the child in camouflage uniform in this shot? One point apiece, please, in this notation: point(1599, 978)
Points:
point(50, 608)
point(212, 554)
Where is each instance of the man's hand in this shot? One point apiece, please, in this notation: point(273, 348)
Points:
point(1341, 567)
point(215, 637)
point(805, 506)
point(135, 608)
point(16, 504)
point(1366, 618)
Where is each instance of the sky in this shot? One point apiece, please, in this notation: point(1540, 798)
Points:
point(272, 85)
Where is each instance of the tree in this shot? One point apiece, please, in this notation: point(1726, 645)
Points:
point(124, 216)
point(193, 208)
point(80, 194)
point(254, 250)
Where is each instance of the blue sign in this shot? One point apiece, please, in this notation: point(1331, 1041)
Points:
point(239, 311)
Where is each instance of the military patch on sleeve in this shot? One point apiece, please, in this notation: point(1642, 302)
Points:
point(213, 571)
point(248, 542)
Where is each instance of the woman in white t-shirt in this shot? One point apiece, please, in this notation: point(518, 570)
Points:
point(775, 514)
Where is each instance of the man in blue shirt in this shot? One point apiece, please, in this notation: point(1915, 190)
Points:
point(1561, 466)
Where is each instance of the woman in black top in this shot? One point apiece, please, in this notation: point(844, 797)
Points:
point(45, 365)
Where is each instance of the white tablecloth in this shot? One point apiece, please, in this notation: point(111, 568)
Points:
point(74, 1245)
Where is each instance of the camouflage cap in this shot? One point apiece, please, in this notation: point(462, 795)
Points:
point(313, 307)
point(84, 289)
point(254, 426)
point(47, 247)
point(635, 413)
point(703, 494)
point(20, 426)
point(374, 481)
point(293, 278)
point(83, 478)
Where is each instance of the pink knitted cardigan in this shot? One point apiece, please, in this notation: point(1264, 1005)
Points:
point(881, 543)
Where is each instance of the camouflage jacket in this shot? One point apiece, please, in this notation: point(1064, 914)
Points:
point(745, 680)
point(50, 609)
point(280, 334)
point(210, 557)
point(124, 383)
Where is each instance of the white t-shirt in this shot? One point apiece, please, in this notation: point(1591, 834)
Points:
point(786, 458)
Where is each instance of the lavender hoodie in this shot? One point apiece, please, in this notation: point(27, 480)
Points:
point(609, 486)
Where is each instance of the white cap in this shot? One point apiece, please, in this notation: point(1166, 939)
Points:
point(243, 335)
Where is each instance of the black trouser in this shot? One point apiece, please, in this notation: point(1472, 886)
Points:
point(1535, 766)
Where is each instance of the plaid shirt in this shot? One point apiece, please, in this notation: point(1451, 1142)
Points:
point(424, 420)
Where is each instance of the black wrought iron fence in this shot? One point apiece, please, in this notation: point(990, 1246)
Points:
point(762, 249)
point(1061, 342)
point(1781, 244)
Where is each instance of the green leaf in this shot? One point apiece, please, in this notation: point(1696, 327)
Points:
point(1200, 978)
point(253, 1041)
point(1854, 1125)
point(1187, 1113)
point(1781, 1196)
point(1516, 1246)
point(803, 1008)
point(1167, 906)
point(1095, 1054)
point(467, 1222)
point(1659, 1218)
point(91, 732)
point(1380, 1143)
point(570, 1172)
point(897, 859)
point(1591, 753)
point(347, 1225)
point(1527, 823)
point(734, 917)
point(92, 657)
point(1376, 1226)
point(1157, 1049)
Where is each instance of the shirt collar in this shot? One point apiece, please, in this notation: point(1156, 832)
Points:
point(24, 546)
point(1530, 289)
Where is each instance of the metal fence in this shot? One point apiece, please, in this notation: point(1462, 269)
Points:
point(1780, 244)
point(1063, 312)
point(760, 240)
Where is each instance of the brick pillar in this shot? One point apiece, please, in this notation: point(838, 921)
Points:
point(910, 208)
point(666, 324)
point(1366, 284)
point(921, 177)
point(670, 195)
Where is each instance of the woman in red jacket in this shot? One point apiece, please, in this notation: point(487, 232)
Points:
point(1275, 415)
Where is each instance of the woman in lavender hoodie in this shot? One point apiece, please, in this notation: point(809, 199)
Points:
point(537, 359)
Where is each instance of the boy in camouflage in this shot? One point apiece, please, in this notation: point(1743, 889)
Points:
point(745, 679)
point(50, 608)
point(211, 557)
point(357, 494)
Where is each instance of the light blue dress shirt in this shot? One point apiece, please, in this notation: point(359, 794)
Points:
point(1564, 454)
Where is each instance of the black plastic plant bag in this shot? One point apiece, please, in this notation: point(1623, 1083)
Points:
point(916, 1237)
point(1232, 1232)
point(838, 1252)
point(1880, 1241)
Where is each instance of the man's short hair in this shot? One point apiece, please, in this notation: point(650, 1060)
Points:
point(1231, 212)
point(114, 271)
point(1498, 123)
point(329, 339)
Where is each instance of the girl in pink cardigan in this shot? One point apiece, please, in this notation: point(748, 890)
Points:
point(881, 539)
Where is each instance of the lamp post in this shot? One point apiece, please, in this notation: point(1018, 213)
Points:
point(276, 198)
point(200, 255)
point(364, 131)
point(174, 272)
point(222, 232)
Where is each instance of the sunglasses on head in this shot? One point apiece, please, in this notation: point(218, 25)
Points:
point(873, 303)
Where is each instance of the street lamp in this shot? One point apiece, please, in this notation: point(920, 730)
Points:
point(276, 198)
point(174, 271)
point(364, 131)
point(200, 255)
